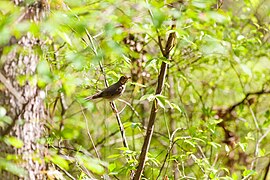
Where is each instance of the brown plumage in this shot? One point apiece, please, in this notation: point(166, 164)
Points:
point(112, 92)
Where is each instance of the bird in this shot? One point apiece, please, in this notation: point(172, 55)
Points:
point(112, 92)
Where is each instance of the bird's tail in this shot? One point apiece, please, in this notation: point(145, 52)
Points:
point(92, 97)
point(88, 98)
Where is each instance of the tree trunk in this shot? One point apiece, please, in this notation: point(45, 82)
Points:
point(24, 102)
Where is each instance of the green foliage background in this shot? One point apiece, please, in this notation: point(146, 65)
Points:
point(221, 57)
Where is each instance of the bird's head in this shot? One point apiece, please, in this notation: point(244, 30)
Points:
point(123, 79)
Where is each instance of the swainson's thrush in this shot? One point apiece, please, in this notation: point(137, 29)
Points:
point(112, 92)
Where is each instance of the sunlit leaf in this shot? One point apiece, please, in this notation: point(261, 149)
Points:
point(91, 164)
point(111, 167)
point(193, 144)
point(175, 106)
point(65, 37)
point(60, 161)
point(149, 97)
point(12, 168)
point(158, 17)
point(243, 146)
point(249, 172)
point(211, 45)
point(114, 156)
point(11, 140)
point(161, 101)
point(2, 111)
point(246, 69)
point(215, 145)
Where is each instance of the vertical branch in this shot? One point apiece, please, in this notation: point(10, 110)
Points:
point(120, 124)
point(161, 78)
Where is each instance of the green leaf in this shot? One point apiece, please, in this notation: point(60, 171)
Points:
point(44, 74)
point(91, 164)
point(65, 37)
point(161, 101)
point(163, 59)
point(250, 136)
point(94, 167)
point(11, 140)
point(114, 156)
point(243, 146)
point(43, 68)
point(111, 167)
point(211, 45)
point(246, 69)
point(200, 4)
point(215, 121)
point(175, 106)
point(70, 133)
point(249, 172)
point(127, 124)
point(217, 16)
point(123, 148)
point(193, 144)
point(158, 17)
point(60, 161)
point(3, 111)
point(235, 176)
point(262, 152)
point(12, 168)
point(149, 97)
point(215, 145)
point(77, 59)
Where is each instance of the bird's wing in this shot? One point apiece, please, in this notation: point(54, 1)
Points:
point(113, 90)
point(110, 91)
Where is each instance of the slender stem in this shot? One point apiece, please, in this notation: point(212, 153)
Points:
point(152, 118)
point(120, 124)
point(89, 134)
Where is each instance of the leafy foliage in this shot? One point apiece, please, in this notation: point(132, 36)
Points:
point(214, 116)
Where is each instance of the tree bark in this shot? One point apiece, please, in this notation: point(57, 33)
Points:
point(24, 102)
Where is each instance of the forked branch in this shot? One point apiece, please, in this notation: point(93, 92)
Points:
point(161, 78)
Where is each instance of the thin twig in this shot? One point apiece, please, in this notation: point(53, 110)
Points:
point(261, 92)
point(258, 146)
point(88, 133)
point(169, 150)
point(66, 173)
point(64, 108)
point(75, 113)
point(127, 103)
